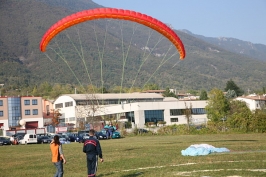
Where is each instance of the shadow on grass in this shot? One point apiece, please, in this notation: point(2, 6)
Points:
point(130, 149)
point(133, 174)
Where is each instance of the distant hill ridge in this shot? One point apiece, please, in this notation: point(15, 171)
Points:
point(237, 46)
point(210, 62)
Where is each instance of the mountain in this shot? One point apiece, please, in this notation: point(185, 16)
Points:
point(237, 46)
point(111, 53)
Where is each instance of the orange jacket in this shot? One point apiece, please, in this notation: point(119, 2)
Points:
point(55, 153)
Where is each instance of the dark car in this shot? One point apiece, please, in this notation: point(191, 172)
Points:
point(100, 136)
point(44, 139)
point(83, 137)
point(5, 141)
point(73, 137)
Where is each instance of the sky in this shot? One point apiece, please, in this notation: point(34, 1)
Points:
point(240, 19)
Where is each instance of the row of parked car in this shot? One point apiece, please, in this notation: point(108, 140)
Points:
point(100, 135)
point(64, 138)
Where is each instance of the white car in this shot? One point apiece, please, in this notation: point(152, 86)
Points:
point(29, 139)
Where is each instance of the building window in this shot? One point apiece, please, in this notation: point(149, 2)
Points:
point(195, 111)
point(81, 103)
point(154, 115)
point(130, 116)
point(35, 102)
point(198, 111)
point(1, 102)
point(14, 105)
point(59, 105)
point(176, 112)
point(71, 119)
point(174, 119)
point(1, 113)
point(26, 102)
point(68, 104)
point(27, 112)
point(35, 111)
point(47, 110)
point(15, 108)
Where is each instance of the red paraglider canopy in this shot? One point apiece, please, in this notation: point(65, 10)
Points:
point(93, 14)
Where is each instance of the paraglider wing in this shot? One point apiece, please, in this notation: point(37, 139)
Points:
point(114, 13)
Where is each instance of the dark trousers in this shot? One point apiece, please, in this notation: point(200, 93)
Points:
point(92, 162)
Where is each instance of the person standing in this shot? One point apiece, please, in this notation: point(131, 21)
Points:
point(92, 148)
point(58, 157)
point(106, 127)
point(110, 131)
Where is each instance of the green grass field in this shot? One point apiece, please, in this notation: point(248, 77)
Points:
point(144, 156)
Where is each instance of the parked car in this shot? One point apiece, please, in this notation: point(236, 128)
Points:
point(83, 137)
point(73, 137)
point(66, 136)
point(64, 141)
point(100, 135)
point(21, 135)
point(116, 134)
point(5, 141)
point(16, 138)
point(44, 139)
point(28, 138)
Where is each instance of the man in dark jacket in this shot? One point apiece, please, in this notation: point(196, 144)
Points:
point(92, 148)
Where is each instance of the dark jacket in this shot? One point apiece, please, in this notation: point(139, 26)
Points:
point(92, 147)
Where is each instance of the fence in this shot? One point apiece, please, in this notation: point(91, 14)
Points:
point(29, 131)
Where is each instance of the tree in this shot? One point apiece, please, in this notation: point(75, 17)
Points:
point(168, 93)
point(56, 91)
point(103, 90)
point(86, 113)
point(35, 91)
point(203, 95)
point(151, 86)
point(239, 117)
point(56, 116)
point(188, 115)
point(193, 92)
point(230, 85)
point(117, 89)
point(44, 89)
point(217, 107)
point(258, 123)
point(90, 89)
point(230, 94)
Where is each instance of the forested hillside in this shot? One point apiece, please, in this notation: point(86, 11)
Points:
point(110, 53)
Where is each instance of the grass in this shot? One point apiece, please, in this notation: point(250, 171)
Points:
point(144, 156)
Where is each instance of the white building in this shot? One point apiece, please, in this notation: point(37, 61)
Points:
point(138, 108)
point(253, 101)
